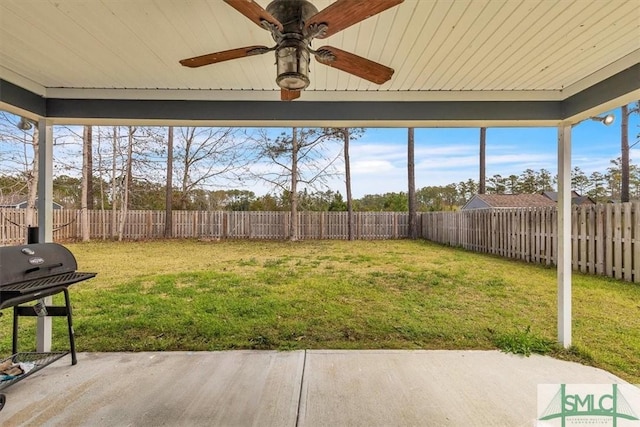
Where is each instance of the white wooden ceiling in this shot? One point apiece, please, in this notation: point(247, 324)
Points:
point(440, 50)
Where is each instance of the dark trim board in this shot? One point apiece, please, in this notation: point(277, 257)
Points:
point(264, 113)
point(22, 98)
point(269, 111)
point(616, 86)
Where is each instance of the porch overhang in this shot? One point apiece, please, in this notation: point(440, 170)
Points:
point(465, 63)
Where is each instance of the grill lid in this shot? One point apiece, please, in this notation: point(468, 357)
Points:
point(35, 261)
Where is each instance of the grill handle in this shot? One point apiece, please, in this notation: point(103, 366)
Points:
point(43, 267)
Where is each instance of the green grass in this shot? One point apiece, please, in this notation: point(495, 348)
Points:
point(193, 295)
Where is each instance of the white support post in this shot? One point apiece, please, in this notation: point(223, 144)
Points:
point(45, 217)
point(564, 235)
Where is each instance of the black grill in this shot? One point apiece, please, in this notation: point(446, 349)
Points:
point(29, 273)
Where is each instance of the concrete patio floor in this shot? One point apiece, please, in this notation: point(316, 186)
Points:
point(298, 388)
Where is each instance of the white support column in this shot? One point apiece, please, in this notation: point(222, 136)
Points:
point(564, 235)
point(45, 217)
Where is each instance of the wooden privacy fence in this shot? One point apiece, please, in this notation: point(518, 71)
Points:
point(67, 225)
point(605, 238)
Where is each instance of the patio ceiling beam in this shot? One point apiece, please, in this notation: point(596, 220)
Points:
point(277, 113)
point(20, 101)
point(619, 89)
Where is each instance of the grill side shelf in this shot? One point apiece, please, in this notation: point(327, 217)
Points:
point(46, 282)
point(40, 360)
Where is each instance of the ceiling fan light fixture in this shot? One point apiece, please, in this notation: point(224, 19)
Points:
point(292, 59)
point(293, 25)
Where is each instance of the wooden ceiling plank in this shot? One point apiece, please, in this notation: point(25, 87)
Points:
point(406, 21)
point(136, 45)
point(544, 44)
point(520, 21)
point(472, 41)
point(547, 48)
point(610, 54)
point(60, 59)
point(474, 18)
point(417, 41)
point(580, 46)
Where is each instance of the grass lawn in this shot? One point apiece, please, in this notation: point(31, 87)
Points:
point(193, 295)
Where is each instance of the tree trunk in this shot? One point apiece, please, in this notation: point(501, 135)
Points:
point(624, 152)
point(114, 186)
point(347, 172)
point(293, 224)
point(185, 168)
point(483, 158)
point(89, 144)
point(125, 186)
point(168, 203)
point(86, 177)
point(411, 170)
point(32, 181)
point(103, 213)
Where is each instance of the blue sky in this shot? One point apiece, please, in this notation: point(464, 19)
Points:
point(450, 155)
point(443, 156)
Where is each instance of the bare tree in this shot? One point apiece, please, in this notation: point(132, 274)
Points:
point(624, 154)
point(32, 179)
point(88, 144)
point(304, 157)
point(347, 179)
point(168, 224)
point(205, 155)
point(411, 171)
point(126, 181)
point(103, 213)
point(348, 134)
point(625, 112)
point(114, 185)
point(20, 156)
point(293, 224)
point(87, 178)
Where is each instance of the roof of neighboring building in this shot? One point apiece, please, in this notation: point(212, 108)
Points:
point(15, 200)
point(11, 199)
point(582, 200)
point(576, 199)
point(510, 201)
point(553, 195)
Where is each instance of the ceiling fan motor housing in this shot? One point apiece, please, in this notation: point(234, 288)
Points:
point(292, 14)
point(292, 50)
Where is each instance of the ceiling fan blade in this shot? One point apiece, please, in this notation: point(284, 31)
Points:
point(354, 64)
point(289, 95)
point(254, 12)
point(225, 55)
point(344, 13)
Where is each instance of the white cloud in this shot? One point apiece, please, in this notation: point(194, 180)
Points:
point(371, 166)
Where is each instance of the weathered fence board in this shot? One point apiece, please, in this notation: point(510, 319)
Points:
point(209, 225)
point(605, 238)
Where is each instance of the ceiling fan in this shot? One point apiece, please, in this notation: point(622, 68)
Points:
point(293, 25)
